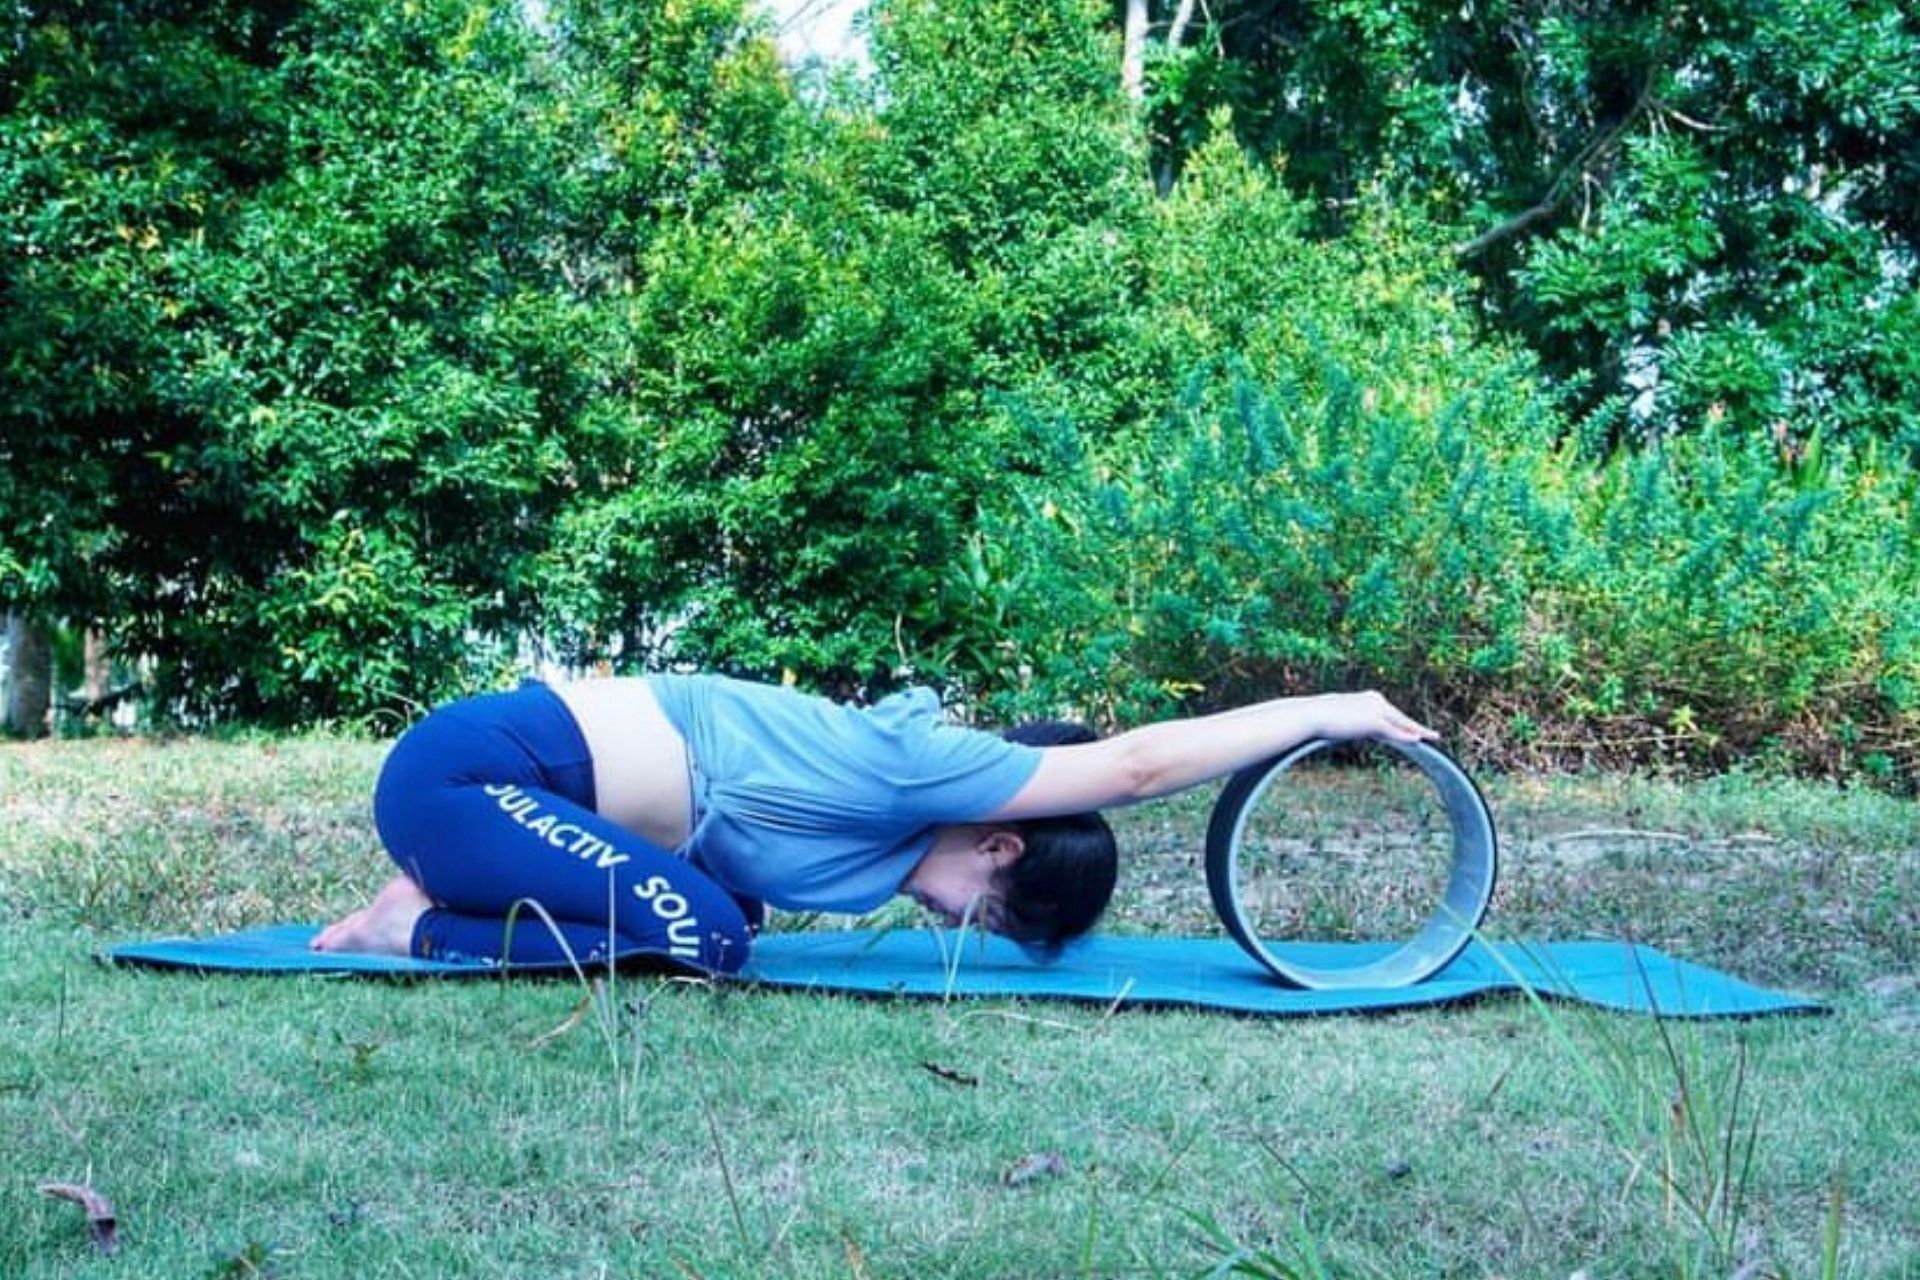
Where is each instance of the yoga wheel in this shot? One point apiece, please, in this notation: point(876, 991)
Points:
point(1405, 806)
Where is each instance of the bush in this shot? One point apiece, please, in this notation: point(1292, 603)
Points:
point(1708, 601)
point(1261, 540)
point(1361, 493)
point(1736, 594)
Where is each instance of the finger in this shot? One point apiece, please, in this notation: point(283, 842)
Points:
point(1407, 729)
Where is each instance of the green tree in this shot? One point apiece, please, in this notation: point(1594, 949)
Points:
point(379, 366)
point(818, 343)
point(1696, 214)
point(286, 354)
point(766, 477)
point(127, 133)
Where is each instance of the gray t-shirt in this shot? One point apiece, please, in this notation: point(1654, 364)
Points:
point(811, 805)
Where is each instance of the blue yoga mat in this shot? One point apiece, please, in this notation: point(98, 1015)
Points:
point(1203, 973)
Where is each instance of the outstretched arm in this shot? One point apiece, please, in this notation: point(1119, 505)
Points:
point(1160, 759)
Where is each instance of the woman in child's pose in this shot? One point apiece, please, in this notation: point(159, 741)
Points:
point(658, 814)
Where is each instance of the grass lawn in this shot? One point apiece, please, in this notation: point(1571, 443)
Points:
point(310, 1128)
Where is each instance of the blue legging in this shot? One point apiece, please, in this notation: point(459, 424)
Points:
point(489, 802)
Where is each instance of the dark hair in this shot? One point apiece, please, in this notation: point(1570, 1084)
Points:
point(1062, 880)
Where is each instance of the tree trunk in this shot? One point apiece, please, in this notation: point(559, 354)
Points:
point(1133, 52)
point(1182, 18)
point(29, 677)
point(97, 677)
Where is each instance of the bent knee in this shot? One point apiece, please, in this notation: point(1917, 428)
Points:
point(691, 922)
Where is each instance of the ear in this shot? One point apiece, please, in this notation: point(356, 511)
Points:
point(1002, 846)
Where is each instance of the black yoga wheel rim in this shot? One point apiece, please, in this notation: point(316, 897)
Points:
point(1445, 932)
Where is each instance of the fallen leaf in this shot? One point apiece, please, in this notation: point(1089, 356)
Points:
point(255, 1262)
point(949, 1074)
point(856, 1256)
point(99, 1211)
point(1044, 1164)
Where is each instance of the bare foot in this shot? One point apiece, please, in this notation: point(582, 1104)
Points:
point(382, 927)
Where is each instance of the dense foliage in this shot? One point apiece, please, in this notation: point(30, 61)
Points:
point(1694, 213)
point(1552, 368)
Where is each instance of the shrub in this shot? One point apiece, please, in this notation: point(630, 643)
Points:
point(1263, 539)
point(1738, 593)
point(1360, 492)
